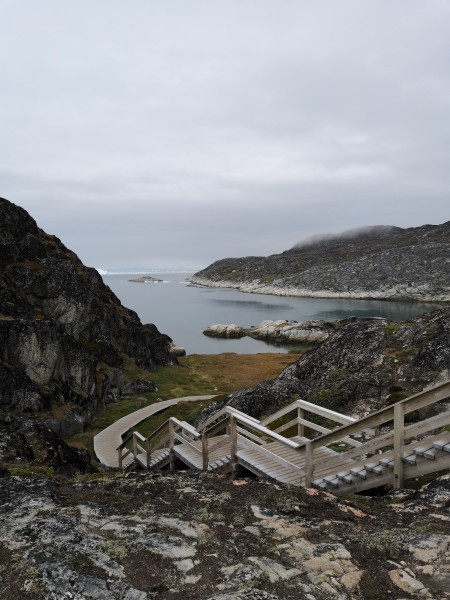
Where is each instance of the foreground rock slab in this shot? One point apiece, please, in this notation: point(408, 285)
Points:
point(202, 536)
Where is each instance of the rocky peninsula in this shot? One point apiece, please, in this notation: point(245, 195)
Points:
point(381, 262)
point(278, 332)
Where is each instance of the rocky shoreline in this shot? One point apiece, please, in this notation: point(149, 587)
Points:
point(398, 292)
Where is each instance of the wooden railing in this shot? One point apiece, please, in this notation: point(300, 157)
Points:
point(133, 439)
point(382, 434)
point(302, 408)
point(392, 434)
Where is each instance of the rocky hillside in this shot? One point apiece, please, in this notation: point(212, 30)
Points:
point(362, 366)
point(63, 333)
point(378, 262)
point(208, 537)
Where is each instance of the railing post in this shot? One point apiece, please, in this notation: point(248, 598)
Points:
point(134, 446)
point(119, 450)
point(171, 445)
point(205, 456)
point(399, 442)
point(233, 444)
point(149, 452)
point(309, 464)
point(300, 427)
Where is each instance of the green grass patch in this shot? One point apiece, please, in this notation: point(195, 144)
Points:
point(196, 375)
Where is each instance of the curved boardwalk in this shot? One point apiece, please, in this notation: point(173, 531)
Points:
point(107, 441)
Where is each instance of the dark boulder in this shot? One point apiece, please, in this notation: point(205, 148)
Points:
point(63, 332)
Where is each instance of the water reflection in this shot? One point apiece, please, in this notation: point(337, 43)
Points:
point(253, 304)
point(394, 311)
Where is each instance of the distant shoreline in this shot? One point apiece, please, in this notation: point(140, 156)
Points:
point(399, 293)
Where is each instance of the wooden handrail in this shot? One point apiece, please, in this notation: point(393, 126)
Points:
point(416, 402)
point(185, 426)
point(160, 428)
point(211, 419)
point(332, 415)
point(264, 430)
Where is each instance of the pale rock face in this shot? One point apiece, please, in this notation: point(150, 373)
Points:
point(62, 330)
point(280, 331)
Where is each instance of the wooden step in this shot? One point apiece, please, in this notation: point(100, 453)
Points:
point(320, 484)
point(159, 459)
point(443, 445)
point(345, 476)
point(426, 452)
point(387, 462)
point(361, 473)
point(376, 468)
point(331, 481)
point(410, 459)
point(219, 464)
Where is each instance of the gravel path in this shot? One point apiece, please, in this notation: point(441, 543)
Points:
point(107, 441)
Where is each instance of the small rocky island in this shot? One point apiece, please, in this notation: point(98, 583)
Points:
point(382, 262)
point(146, 279)
point(279, 331)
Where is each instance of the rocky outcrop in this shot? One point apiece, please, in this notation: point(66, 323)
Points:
point(362, 366)
point(278, 332)
point(63, 333)
point(378, 262)
point(25, 442)
point(207, 537)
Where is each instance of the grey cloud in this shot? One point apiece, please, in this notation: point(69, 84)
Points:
point(190, 130)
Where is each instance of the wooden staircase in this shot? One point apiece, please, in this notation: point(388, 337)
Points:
point(308, 445)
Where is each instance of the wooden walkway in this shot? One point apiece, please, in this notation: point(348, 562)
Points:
point(107, 441)
point(342, 454)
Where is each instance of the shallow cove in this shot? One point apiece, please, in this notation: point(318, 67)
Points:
point(183, 311)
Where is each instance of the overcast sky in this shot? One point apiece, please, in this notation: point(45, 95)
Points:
point(151, 133)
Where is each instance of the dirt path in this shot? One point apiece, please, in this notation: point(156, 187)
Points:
point(107, 441)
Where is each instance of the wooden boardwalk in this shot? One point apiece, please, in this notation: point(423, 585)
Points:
point(108, 440)
point(342, 454)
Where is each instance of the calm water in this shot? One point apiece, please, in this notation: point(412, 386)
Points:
point(183, 312)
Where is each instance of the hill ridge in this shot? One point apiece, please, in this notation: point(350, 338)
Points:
point(381, 262)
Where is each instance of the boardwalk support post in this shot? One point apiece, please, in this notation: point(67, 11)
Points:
point(171, 445)
point(135, 451)
point(309, 464)
point(205, 456)
point(300, 426)
point(399, 442)
point(149, 451)
point(233, 447)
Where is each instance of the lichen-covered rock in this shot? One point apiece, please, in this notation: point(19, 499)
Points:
point(187, 535)
point(63, 332)
point(25, 442)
